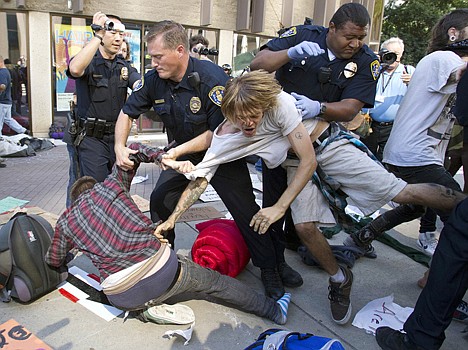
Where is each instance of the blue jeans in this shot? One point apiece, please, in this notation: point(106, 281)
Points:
point(194, 278)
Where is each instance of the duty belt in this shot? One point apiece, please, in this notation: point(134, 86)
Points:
point(92, 123)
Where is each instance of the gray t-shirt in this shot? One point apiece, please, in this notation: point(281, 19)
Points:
point(423, 124)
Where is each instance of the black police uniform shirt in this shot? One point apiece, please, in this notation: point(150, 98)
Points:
point(350, 78)
point(102, 90)
point(187, 110)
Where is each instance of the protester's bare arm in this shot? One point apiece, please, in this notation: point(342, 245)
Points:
point(197, 144)
point(302, 146)
point(189, 196)
point(84, 57)
point(183, 167)
point(122, 153)
point(269, 60)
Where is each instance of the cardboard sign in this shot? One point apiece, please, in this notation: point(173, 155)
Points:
point(15, 336)
point(200, 213)
point(142, 204)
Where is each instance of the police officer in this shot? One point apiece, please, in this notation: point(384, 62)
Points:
point(186, 93)
point(332, 74)
point(102, 78)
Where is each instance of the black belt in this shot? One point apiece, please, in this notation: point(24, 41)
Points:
point(323, 136)
point(382, 123)
point(109, 127)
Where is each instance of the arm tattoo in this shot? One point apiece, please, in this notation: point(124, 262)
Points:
point(298, 135)
point(193, 191)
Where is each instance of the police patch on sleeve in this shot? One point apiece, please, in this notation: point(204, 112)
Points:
point(375, 69)
point(139, 85)
point(290, 32)
point(216, 95)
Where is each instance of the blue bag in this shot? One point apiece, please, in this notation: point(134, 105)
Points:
point(280, 339)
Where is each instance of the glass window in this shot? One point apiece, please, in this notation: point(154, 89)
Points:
point(70, 35)
point(13, 48)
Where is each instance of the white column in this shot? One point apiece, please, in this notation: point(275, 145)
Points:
point(40, 73)
point(226, 44)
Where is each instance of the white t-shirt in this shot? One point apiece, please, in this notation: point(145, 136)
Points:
point(270, 141)
point(421, 132)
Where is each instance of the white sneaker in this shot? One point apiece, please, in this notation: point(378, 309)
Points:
point(427, 241)
point(169, 314)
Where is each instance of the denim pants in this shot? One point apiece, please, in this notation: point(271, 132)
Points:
point(446, 284)
point(194, 278)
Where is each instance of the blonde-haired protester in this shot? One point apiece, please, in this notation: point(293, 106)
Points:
point(261, 119)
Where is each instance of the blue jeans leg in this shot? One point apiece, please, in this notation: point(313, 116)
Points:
point(194, 278)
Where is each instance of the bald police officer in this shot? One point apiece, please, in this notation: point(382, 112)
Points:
point(102, 78)
point(332, 74)
point(186, 93)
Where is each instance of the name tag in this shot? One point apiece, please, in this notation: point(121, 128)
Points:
point(156, 102)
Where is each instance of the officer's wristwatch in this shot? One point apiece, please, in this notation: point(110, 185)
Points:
point(323, 108)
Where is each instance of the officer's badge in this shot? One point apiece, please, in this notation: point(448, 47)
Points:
point(375, 69)
point(350, 70)
point(139, 85)
point(290, 32)
point(216, 95)
point(195, 104)
point(124, 73)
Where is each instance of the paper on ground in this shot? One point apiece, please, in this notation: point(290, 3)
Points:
point(186, 334)
point(139, 179)
point(107, 312)
point(209, 195)
point(84, 276)
point(9, 203)
point(382, 312)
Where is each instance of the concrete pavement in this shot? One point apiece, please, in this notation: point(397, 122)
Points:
point(64, 325)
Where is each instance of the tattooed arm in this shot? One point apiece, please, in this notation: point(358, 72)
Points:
point(189, 196)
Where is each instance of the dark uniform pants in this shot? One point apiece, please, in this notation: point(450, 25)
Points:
point(232, 183)
point(446, 285)
point(96, 156)
point(422, 174)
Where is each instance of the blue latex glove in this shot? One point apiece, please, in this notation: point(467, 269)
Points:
point(304, 50)
point(309, 108)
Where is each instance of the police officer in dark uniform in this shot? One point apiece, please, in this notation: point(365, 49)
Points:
point(332, 74)
point(186, 93)
point(102, 78)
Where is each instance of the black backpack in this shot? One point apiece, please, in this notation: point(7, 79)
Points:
point(24, 275)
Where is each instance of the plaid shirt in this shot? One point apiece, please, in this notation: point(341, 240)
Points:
point(106, 224)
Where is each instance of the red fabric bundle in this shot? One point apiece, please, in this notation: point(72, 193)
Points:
point(221, 247)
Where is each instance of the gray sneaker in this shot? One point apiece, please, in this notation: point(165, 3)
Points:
point(427, 242)
point(338, 295)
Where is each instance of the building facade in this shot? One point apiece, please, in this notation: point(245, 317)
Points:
point(41, 35)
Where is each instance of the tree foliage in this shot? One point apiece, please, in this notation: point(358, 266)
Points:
point(412, 21)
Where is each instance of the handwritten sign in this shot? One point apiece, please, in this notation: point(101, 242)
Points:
point(15, 336)
point(142, 203)
point(381, 312)
point(200, 213)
